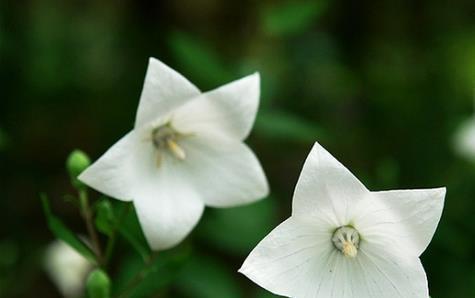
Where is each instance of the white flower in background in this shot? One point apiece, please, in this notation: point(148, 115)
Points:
point(343, 241)
point(464, 141)
point(185, 152)
point(67, 268)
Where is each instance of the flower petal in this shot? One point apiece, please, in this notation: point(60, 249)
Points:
point(292, 258)
point(326, 185)
point(389, 274)
point(164, 90)
point(229, 110)
point(117, 171)
point(168, 208)
point(225, 172)
point(406, 218)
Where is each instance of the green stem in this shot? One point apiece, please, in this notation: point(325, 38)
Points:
point(113, 236)
point(87, 215)
point(140, 276)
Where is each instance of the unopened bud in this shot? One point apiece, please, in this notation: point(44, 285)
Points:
point(98, 284)
point(77, 162)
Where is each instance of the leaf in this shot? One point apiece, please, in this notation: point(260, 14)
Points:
point(255, 221)
point(120, 216)
point(205, 277)
point(129, 228)
point(261, 293)
point(199, 60)
point(291, 16)
point(105, 219)
point(61, 231)
point(161, 273)
point(286, 127)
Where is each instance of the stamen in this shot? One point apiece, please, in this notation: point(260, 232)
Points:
point(165, 138)
point(346, 239)
point(177, 151)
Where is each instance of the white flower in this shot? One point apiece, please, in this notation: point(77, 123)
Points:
point(185, 152)
point(67, 268)
point(343, 241)
point(464, 141)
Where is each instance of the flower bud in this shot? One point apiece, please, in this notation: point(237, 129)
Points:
point(77, 162)
point(98, 284)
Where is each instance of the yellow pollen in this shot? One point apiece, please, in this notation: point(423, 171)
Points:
point(177, 151)
point(347, 240)
point(349, 249)
point(165, 138)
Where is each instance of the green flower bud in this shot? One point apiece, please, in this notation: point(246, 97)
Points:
point(77, 162)
point(98, 284)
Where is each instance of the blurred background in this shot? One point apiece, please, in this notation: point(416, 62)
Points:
point(386, 86)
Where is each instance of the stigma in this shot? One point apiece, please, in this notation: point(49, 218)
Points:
point(346, 239)
point(165, 138)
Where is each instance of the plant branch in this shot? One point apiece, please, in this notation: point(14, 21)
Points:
point(140, 276)
point(113, 235)
point(87, 215)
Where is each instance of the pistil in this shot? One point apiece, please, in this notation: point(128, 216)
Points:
point(346, 239)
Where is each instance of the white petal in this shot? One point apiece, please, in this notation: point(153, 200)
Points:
point(388, 274)
point(229, 110)
point(117, 172)
point(326, 185)
point(225, 172)
point(292, 259)
point(168, 207)
point(371, 275)
point(164, 90)
point(403, 218)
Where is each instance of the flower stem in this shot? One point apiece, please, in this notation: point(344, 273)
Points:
point(140, 276)
point(87, 215)
point(112, 237)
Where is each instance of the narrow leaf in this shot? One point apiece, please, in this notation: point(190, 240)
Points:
point(60, 230)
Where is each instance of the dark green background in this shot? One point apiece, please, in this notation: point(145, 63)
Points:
point(383, 85)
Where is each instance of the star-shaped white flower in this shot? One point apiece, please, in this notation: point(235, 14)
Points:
point(343, 241)
point(185, 151)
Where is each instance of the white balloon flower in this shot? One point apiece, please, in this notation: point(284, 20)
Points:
point(185, 151)
point(343, 241)
point(67, 268)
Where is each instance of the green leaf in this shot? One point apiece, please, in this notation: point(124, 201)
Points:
point(130, 229)
point(61, 231)
point(199, 60)
point(284, 126)
point(205, 277)
point(261, 293)
point(105, 219)
point(255, 221)
point(291, 16)
point(160, 273)
point(120, 216)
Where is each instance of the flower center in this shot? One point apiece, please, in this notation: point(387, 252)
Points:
point(346, 239)
point(166, 138)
